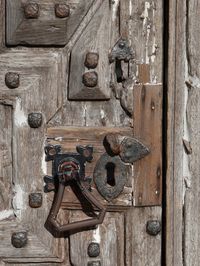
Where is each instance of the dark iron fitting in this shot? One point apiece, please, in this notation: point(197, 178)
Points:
point(12, 80)
point(31, 10)
point(19, 239)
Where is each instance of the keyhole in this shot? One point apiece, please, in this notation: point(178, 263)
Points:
point(110, 168)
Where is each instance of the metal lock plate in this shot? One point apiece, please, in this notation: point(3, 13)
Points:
point(110, 168)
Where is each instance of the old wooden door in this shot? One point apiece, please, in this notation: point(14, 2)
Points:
point(81, 72)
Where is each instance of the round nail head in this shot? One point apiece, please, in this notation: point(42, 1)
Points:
point(19, 239)
point(90, 79)
point(31, 10)
point(12, 80)
point(91, 60)
point(153, 227)
point(35, 120)
point(35, 200)
point(93, 250)
point(62, 10)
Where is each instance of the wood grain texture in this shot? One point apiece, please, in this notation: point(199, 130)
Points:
point(141, 248)
point(44, 87)
point(95, 38)
point(193, 33)
point(192, 198)
point(147, 127)
point(36, 74)
point(146, 35)
point(109, 235)
point(69, 138)
point(47, 29)
point(191, 240)
point(177, 92)
point(6, 159)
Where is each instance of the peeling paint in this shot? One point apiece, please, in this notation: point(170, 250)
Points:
point(97, 235)
point(18, 200)
point(6, 214)
point(115, 8)
point(20, 118)
point(59, 138)
point(44, 164)
point(102, 114)
point(130, 8)
point(145, 14)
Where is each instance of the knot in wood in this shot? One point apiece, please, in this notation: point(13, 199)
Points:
point(31, 10)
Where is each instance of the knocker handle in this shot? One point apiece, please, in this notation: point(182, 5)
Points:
point(68, 169)
point(57, 229)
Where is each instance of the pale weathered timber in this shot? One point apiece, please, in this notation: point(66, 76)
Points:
point(52, 97)
point(176, 96)
point(110, 236)
point(47, 29)
point(191, 200)
point(146, 35)
point(141, 248)
point(6, 160)
point(147, 126)
point(94, 39)
point(27, 147)
point(191, 239)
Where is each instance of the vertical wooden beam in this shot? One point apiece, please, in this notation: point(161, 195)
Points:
point(175, 130)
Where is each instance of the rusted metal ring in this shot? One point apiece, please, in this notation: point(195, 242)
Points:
point(100, 176)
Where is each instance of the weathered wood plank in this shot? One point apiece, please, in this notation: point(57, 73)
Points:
point(94, 39)
point(192, 196)
point(110, 237)
point(176, 96)
point(6, 160)
point(191, 240)
point(47, 29)
point(146, 35)
point(36, 74)
point(147, 127)
point(69, 138)
point(142, 249)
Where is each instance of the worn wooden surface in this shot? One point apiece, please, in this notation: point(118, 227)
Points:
point(147, 126)
point(110, 236)
point(141, 248)
point(6, 158)
point(44, 87)
point(191, 240)
point(69, 138)
point(47, 29)
point(145, 33)
point(178, 174)
point(95, 38)
point(27, 147)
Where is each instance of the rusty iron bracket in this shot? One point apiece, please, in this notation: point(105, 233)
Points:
point(121, 51)
point(69, 169)
point(129, 149)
